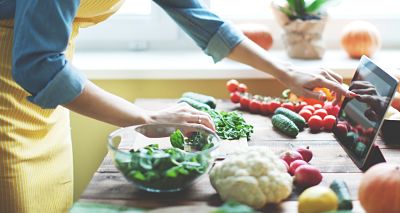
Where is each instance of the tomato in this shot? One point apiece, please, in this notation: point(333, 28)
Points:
point(242, 87)
point(232, 85)
point(305, 113)
point(329, 122)
point(309, 107)
point(266, 108)
point(321, 113)
point(244, 102)
point(300, 105)
point(255, 106)
point(315, 123)
point(274, 105)
point(317, 106)
point(235, 97)
point(288, 105)
point(331, 109)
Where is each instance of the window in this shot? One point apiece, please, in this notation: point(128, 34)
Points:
point(137, 23)
point(141, 24)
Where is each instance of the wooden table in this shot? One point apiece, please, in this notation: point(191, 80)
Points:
point(110, 187)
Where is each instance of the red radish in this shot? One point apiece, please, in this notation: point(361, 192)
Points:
point(232, 85)
point(235, 97)
point(309, 107)
point(305, 113)
point(306, 176)
point(242, 87)
point(321, 112)
point(317, 106)
point(288, 105)
point(295, 164)
point(315, 123)
point(329, 121)
point(306, 153)
point(290, 156)
point(286, 165)
point(274, 105)
point(331, 109)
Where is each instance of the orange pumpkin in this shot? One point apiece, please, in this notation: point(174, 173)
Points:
point(380, 189)
point(360, 38)
point(258, 33)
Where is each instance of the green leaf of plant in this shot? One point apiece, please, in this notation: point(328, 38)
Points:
point(177, 139)
point(315, 6)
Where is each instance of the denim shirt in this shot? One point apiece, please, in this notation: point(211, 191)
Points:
point(41, 33)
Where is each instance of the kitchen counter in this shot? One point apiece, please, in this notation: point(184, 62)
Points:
point(108, 186)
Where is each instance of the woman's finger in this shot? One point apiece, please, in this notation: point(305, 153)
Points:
point(200, 119)
point(336, 76)
point(315, 95)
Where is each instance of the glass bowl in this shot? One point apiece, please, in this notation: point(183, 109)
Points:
point(146, 158)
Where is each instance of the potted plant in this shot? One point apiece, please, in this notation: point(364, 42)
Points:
point(303, 22)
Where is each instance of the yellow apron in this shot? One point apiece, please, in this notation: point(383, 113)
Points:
point(36, 173)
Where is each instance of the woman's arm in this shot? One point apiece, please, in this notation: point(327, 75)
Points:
point(41, 34)
point(301, 80)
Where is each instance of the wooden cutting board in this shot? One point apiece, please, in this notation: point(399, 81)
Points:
point(228, 147)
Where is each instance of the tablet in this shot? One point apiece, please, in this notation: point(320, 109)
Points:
point(360, 118)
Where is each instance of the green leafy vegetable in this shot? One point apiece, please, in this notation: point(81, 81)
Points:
point(163, 169)
point(304, 9)
point(230, 125)
point(234, 207)
point(177, 139)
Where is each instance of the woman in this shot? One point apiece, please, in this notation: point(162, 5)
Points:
point(39, 86)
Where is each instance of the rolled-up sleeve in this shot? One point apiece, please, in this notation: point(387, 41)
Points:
point(213, 35)
point(41, 32)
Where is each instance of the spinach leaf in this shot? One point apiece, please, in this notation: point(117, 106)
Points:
point(177, 139)
point(234, 207)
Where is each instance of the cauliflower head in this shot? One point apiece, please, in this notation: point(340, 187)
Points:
point(254, 176)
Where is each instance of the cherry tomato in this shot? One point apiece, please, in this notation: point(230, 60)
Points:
point(321, 113)
point(242, 87)
point(274, 105)
point(232, 85)
point(288, 105)
point(329, 122)
point(305, 113)
point(255, 106)
point(235, 97)
point(331, 109)
point(300, 105)
point(317, 106)
point(244, 102)
point(309, 107)
point(315, 123)
point(266, 108)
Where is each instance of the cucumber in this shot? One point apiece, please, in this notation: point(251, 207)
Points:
point(342, 191)
point(285, 125)
point(296, 118)
point(195, 104)
point(205, 99)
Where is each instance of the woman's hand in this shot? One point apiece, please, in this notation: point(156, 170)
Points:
point(302, 81)
point(182, 113)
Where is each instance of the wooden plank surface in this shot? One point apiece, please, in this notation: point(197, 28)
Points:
point(109, 186)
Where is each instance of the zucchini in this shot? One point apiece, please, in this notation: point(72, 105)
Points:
point(205, 99)
point(195, 104)
point(296, 118)
point(285, 125)
point(342, 191)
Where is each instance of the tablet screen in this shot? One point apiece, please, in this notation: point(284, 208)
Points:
point(360, 118)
